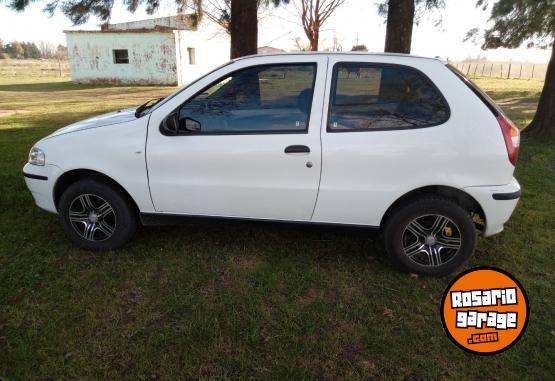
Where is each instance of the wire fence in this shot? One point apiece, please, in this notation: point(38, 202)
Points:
point(34, 68)
point(505, 70)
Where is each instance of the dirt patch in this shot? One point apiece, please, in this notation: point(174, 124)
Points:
point(309, 296)
point(245, 263)
point(11, 112)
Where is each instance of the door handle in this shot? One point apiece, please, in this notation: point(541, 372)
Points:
point(297, 149)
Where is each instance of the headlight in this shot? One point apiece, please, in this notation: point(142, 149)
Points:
point(36, 156)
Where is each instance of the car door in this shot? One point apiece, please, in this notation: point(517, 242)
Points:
point(242, 142)
point(386, 134)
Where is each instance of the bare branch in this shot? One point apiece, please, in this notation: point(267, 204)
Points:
point(314, 14)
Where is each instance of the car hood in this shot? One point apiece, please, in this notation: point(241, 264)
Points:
point(103, 120)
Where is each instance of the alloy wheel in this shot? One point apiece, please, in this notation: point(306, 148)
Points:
point(92, 217)
point(431, 240)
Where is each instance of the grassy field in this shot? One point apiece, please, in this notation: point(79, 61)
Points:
point(25, 71)
point(216, 300)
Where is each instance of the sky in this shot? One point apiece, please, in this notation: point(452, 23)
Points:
point(355, 20)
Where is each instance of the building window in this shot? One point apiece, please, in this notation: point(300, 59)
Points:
point(192, 59)
point(121, 56)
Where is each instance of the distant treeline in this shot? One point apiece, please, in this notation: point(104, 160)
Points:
point(22, 50)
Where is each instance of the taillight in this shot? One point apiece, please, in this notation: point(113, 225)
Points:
point(511, 134)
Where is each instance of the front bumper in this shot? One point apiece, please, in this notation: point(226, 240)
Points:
point(498, 203)
point(41, 180)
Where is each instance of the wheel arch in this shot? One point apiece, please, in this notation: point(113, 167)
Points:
point(466, 201)
point(74, 175)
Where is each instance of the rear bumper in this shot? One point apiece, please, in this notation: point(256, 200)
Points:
point(40, 181)
point(498, 203)
point(507, 196)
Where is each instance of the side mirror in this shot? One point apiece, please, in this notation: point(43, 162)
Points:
point(190, 125)
point(169, 125)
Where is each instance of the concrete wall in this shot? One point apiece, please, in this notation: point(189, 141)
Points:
point(211, 50)
point(152, 57)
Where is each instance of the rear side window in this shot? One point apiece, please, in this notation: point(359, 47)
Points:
point(380, 96)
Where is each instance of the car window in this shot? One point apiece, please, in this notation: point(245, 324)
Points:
point(375, 96)
point(260, 99)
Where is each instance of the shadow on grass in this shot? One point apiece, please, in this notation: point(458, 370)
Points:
point(515, 97)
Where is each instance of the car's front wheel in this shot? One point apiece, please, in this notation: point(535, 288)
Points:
point(97, 216)
point(430, 236)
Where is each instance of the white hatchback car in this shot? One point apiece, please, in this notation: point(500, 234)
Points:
point(393, 142)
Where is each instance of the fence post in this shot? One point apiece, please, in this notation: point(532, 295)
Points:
point(483, 68)
point(491, 70)
point(468, 70)
point(533, 67)
point(509, 72)
point(475, 68)
point(520, 74)
point(501, 71)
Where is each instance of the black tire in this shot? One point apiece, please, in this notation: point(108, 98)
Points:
point(115, 223)
point(424, 258)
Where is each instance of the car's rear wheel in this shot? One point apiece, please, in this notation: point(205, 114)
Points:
point(97, 216)
point(430, 236)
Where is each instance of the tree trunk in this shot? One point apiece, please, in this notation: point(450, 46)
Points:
point(314, 38)
point(400, 19)
point(543, 124)
point(243, 28)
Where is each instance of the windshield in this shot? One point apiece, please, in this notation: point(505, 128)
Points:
point(171, 96)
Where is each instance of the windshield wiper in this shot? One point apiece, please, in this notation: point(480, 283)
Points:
point(145, 106)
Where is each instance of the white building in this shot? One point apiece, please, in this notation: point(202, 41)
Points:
point(166, 50)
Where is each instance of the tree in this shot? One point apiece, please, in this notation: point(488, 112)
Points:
point(359, 48)
point(46, 49)
point(244, 39)
point(401, 17)
point(30, 50)
point(243, 28)
point(238, 17)
point(61, 52)
point(516, 22)
point(314, 14)
point(400, 20)
point(243, 25)
point(15, 50)
point(3, 54)
point(301, 47)
point(219, 11)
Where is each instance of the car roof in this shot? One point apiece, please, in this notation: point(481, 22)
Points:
point(400, 55)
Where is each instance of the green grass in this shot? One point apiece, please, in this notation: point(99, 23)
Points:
point(230, 300)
